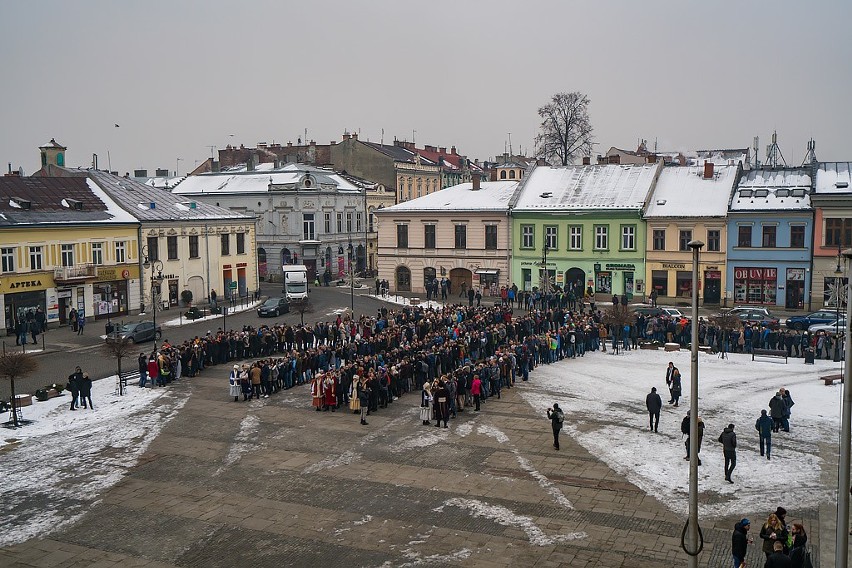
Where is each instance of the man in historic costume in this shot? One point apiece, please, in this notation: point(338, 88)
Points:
point(316, 392)
point(329, 391)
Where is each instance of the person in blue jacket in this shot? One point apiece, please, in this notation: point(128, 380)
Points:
point(763, 425)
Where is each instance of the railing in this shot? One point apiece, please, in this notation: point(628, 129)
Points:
point(78, 272)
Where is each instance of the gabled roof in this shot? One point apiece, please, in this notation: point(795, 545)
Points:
point(566, 188)
point(833, 178)
point(56, 200)
point(238, 180)
point(491, 196)
point(136, 198)
point(452, 162)
point(773, 189)
point(398, 153)
point(683, 191)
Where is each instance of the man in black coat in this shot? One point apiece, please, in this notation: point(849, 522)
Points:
point(729, 449)
point(739, 541)
point(777, 408)
point(654, 404)
point(778, 559)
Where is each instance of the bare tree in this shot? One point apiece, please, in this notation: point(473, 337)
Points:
point(565, 130)
point(302, 306)
point(617, 316)
point(119, 348)
point(726, 324)
point(14, 365)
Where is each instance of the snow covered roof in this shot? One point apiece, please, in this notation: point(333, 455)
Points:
point(773, 189)
point(163, 182)
point(610, 186)
point(492, 196)
point(239, 180)
point(684, 192)
point(834, 178)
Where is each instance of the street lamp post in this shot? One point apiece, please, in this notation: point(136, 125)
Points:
point(693, 549)
point(156, 266)
point(351, 279)
point(544, 273)
point(838, 280)
point(841, 550)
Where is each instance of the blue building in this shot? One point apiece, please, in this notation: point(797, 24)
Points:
point(770, 239)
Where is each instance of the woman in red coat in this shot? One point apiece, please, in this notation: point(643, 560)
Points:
point(476, 391)
point(153, 371)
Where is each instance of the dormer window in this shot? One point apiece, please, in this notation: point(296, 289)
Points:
point(20, 202)
point(761, 192)
point(797, 192)
point(307, 183)
point(745, 193)
point(782, 192)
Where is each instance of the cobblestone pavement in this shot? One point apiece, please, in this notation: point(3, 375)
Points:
point(273, 483)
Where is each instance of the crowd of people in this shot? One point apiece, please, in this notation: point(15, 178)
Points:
point(784, 545)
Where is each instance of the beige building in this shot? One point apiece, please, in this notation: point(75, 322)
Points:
point(461, 233)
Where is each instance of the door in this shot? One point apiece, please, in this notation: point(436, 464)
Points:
point(63, 310)
point(712, 288)
point(628, 285)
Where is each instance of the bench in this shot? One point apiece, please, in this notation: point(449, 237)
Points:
point(769, 353)
point(829, 379)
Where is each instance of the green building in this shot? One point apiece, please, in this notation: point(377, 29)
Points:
point(584, 224)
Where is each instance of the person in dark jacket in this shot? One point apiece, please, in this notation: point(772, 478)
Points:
point(778, 559)
point(788, 404)
point(728, 439)
point(654, 404)
point(556, 417)
point(677, 387)
point(143, 370)
point(777, 408)
point(764, 429)
point(74, 380)
point(86, 391)
point(740, 541)
point(799, 550)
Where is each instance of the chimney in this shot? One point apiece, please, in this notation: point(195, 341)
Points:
point(346, 136)
point(429, 148)
point(215, 166)
point(442, 150)
point(277, 164)
point(354, 136)
point(252, 163)
point(476, 182)
point(652, 158)
point(708, 170)
point(587, 160)
point(453, 150)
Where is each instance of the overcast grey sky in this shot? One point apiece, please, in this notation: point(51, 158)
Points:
point(179, 77)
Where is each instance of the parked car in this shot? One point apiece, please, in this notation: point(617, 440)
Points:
point(647, 311)
point(674, 313)
point(273, 307)
point(829, 328)
point(137, 332)
point(804, 322)
point(754, 315)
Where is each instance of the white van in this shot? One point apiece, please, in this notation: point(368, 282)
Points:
point(295, 281)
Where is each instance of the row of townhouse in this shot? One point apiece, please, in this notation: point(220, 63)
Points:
point(772, 235)
point(109, 246)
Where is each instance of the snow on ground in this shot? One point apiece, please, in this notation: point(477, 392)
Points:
point(64, 460)
point(603, 397)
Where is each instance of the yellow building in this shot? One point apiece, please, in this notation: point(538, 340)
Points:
point(63, 244)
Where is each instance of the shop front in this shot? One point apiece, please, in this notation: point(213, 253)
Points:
point(753, 285)
point(794, 289)
point(110, 292)
point(617, 278)
point(673, 280)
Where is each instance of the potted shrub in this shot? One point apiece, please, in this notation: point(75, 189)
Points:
point(41, 395)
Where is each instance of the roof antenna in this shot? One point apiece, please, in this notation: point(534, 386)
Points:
point(773, 152)
point(810, 156)
point(510, 145)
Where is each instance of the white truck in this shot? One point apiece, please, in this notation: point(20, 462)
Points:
point(295, 281)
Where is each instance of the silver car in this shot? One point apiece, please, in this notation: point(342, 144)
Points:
point(829, 328)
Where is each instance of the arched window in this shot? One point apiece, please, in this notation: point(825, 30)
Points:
point(502, 174)
point(60, 159)
point(403, 279)
point(511, 174)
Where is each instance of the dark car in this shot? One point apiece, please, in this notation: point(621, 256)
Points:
point(137, 332)
point(754, 315)
point(804, 322)
point(273, 307)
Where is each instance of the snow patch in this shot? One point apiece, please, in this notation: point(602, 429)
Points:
point(493, 432)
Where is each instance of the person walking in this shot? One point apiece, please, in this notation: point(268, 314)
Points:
point(654, 404)
point(143, 370)
point(728, 439)
point(699, 436)
point(777, 408)
point(556, 417)
point(669, 371)
point(86, 391)
point(74, 380)
point(677, 387)
point(763, 425)
point(788, 404)
point(476, 391)
point(740, 541)
point(81, 323)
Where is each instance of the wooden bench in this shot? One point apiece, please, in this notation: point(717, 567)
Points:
point(829, 379)
point(769, 353)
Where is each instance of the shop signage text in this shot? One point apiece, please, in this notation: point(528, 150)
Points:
point(25, 284)
point(755, 273)
point(621, 267)
point(674, 266)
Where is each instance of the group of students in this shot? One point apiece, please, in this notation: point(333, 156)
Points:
point(785, 546)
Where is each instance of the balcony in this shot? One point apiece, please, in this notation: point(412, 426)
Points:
point(73, 274)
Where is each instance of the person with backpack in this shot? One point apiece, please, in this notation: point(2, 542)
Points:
point(654, 404)
point(556, 417)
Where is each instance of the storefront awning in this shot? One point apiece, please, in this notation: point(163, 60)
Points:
point(487, 271)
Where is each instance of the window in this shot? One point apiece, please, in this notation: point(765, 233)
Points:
point(744, 236)
point(120, 252)
point(308, 231)
point(502, 174)
point(35, 258)
point(402, 236)
point(153, 248)
point(769, 232)
point(172, 247)
point(371, 220)
point(348, 221)
point(551, 240)
point(419, 187)
point(340, 222)
point(714, 240)
point(838, 232)
point(327, 224)
point(658, 239)
point(67, 255)
point(511, 174)
point(797, 236)
point(429, 236)
point(601, 237)
point(490, 237)
point(97, 253)
point(527, 236)
point(358, 222)
point(628, 237)
point(683, 240)
point(193, 246)
point(7, 259)
point(403, 279)
point(226, 244)
point(241, 243)
point(461, 236)
point(575, 241)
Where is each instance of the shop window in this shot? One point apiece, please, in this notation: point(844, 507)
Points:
point(684, 283)
point(603, 282)
point(834, 291)
point(755, 285)
point(660, 282)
